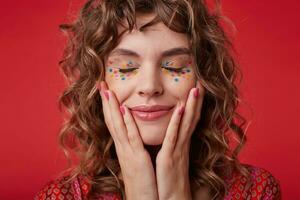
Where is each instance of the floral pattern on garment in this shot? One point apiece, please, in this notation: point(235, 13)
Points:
point(262, 186)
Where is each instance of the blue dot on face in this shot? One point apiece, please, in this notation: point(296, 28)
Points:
point(123, 78)
point(176, 79)
point(188, 70)
point(110, 70)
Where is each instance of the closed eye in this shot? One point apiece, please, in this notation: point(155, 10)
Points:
point(127, 70)
point(177, 70)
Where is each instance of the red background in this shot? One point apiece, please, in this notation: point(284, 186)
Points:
point(267, 41)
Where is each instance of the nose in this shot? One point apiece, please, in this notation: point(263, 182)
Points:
point(150, 84)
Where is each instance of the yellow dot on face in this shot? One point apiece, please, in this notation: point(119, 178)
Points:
point(123, 65)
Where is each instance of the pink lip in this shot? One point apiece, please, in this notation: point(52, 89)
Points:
point(150, 113)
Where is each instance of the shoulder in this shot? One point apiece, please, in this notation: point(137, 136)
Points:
point(260, 184)
point(59, 189)
point(76, 189)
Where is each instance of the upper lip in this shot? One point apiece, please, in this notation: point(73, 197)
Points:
point(151, 108)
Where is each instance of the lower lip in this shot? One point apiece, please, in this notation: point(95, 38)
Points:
point(149, 116)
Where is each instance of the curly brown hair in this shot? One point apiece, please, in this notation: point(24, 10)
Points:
point(94, 34)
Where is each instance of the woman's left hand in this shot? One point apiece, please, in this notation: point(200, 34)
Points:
point(172, 161)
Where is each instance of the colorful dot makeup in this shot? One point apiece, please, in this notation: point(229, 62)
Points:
point(177, 71)
point(121, 70)
point(124, 70)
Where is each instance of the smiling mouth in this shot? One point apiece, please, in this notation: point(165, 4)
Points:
point(149, 116)
point(150, 113)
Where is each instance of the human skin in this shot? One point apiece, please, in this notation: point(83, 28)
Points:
point(150, 84)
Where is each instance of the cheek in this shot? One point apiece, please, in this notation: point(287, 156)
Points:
point(186, 75)
point(120, 85)
point(179, 85)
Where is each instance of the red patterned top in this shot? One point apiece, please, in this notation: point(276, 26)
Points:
point(262, 186)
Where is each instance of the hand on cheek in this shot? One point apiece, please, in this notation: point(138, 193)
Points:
point(135, 162)
point(172, 161)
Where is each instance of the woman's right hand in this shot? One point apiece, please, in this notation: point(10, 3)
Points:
point(135, 162)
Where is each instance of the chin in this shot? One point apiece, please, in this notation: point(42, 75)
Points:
point(152, 140)
point(152, 137)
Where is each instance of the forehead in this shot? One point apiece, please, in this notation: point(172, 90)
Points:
point(156, 39)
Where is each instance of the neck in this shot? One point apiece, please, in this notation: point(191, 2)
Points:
point(153, 151)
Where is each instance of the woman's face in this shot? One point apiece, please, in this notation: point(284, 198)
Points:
point(150, 72)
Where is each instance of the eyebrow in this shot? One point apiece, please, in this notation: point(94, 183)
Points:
point(169, 52)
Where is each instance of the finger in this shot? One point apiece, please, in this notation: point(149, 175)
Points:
point(172, 130)
point(191, 115)
point(117, 119)
point(105, 109)
point(134, 137)
point(199, 105)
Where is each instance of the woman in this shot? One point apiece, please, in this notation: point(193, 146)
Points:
point(152, 106)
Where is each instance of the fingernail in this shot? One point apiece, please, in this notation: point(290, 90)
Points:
point(106, 95)
point(122, 109)
point(181, 110)
point(196, 92)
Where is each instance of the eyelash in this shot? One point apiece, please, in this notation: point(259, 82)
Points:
point(176, 70)
point(124, 71)
point(128, 70)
